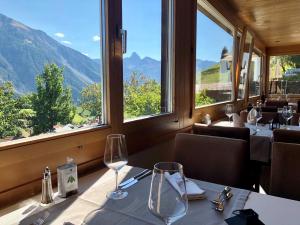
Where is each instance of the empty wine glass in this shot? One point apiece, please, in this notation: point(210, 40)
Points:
point(289, 113)
point(168, 196)
point(285, 115)
point(115, 157)
point(229, 111)
point(258, 117)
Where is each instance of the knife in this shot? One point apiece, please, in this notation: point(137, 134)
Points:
point(133, 178)
point(136, 180)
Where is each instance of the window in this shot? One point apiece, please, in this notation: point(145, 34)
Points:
point(284, 74)
point(255, 75)
point(147, 58)
point(50, 74)
point(214, 62)
point(244, 66)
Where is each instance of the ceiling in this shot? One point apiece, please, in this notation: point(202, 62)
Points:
point(276, 22)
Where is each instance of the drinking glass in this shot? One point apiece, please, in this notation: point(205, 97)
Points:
point(285, 115)
point(229, 111)
point(289, 114)
point(115, 157)
point(258, 117)
point(166, 201)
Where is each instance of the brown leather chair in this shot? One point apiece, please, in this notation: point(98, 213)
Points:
point(268, 116)
point(213, 159)
point(285, 167)
point(287, 136)
point(277, 103)
point(242, 133)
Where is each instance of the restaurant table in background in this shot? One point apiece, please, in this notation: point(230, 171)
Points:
point(133, 210)
point(260, 141)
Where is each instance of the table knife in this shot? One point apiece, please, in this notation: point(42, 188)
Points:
point(132, 178)
point(136, 180)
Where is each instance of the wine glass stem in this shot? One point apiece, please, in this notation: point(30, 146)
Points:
point(117, 188)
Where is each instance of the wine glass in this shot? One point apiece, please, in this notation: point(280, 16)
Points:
point(289, 114)
point(115, 157)
point(166, 201)
point(258, 117)
point(229, 111)
point(285, 115)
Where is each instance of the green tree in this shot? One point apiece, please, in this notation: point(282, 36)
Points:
point(52, 102)
point(91, 99)
point(9, 123)
point(203, 99)
point(142, 96)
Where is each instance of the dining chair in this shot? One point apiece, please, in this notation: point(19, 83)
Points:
point(240, 133)
point(213, 159)
point(285, 167)
point(286, 136)
point(277, 103)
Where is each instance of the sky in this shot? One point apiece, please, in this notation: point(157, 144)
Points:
point(211, 39)
point(75, 23)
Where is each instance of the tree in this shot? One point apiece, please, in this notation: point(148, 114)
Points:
point(8, 111)
point(91, 99)
point(203, 99)
point(52, 102)
point(142, 96)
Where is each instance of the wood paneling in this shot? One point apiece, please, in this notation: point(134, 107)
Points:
point(276, 22)
point(284, 50)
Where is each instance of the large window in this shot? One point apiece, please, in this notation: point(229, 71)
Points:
point(284, 74)
point(255, 75)
point(50, 73)
point(247, 49)
point(214, 62)
point(147, 60)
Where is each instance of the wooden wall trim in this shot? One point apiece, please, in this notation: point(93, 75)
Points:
point(283, 50)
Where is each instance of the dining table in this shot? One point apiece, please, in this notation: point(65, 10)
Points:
point(261, 139)
point(133, 209)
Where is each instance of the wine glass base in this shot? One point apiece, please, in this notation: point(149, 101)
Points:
point(116, 195)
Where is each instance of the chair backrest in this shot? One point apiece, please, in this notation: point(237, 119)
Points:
point(213, 159)
point(268, 116)
point(241, 133)
point(269, 109)
point(285, 167)
point(287, 136)
point(277, 103)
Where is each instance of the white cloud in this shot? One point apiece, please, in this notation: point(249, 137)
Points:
point(85, 54)
point(96, 38)
point(67, 42)
point(60, 35)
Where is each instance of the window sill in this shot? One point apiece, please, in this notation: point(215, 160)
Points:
point(150, 117)
point(214, 104)
point(49, 136)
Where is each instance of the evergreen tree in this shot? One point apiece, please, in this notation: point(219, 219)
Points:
point(8, 111)
point(52, 102)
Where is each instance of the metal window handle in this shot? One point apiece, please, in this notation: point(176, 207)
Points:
point(124, 40)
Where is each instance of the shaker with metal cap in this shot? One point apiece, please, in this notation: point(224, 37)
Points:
point(47, 192)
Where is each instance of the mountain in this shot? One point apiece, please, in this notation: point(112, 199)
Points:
point(151, 67)
point(204, 64)
point(24, 52)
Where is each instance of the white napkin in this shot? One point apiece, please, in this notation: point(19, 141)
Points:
point(192, 189)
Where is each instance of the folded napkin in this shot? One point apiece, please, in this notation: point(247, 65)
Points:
point(192, 189)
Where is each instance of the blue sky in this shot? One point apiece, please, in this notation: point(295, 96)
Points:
point(75, 23)
point(211, 39)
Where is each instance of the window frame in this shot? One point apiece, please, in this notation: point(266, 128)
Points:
point(258, 53)
point(214, 15)
point(105, 116)
point(167, 73)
